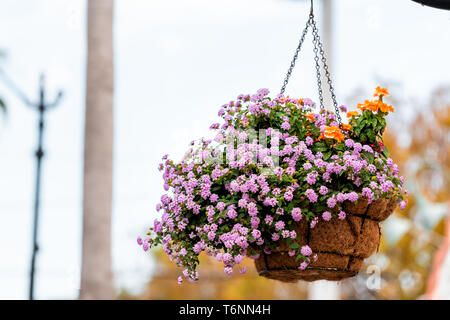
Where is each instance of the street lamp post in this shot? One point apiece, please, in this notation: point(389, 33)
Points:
point(41, 106)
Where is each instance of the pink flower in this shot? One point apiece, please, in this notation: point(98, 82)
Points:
point(285, 126)
point(326, 216)
point(342, 215)
point(402, 205)
point(228, 270)
point(314, 222)
point(306, 251)
point(256, 234)
point(323, 190)
point(279, 225)
point(296, 214)
point(312, 196)
point(303, 265)
point(331, 202)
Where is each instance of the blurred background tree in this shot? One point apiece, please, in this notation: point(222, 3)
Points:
point(96, 272)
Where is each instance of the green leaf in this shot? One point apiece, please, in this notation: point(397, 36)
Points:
point(294, 245)
point(327, 155)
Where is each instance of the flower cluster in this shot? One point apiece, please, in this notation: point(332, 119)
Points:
point(272, 163)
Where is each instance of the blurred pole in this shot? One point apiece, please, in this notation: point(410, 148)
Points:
point(39, 155)
point(42, 106)
point(326, 290)
point(96, 270)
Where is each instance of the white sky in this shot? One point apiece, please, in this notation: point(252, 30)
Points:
point(176, 63)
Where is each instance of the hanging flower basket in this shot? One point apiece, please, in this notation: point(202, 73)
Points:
point(341, 245)
point(298, 191)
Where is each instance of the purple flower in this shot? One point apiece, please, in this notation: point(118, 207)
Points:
point(352, 196)
point(211, 235)
point(268, 220)
point(314, 222)
point(323, 190)
point(220, 206)
point(306, 251)
point(357, 147)
point(256, 234)
point(371, 168)
point(341, 197)
point(326, 216)
point(242, 203)
point(349, 143)
point(228, 270)
point(231, 213)
point(139, 241)
point(342, 215)
point(311, 177)
point(279, 225)
point(331, 202)
point(312, 196)
point(296, 214)
point(252, 209)
point(288, 196)
point(285, 126)
point(303, 265)
point(402, 205)
point(367, 149)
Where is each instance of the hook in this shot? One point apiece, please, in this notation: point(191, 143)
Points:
point(311, 11)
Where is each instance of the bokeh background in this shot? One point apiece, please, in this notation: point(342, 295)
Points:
point(176, 63)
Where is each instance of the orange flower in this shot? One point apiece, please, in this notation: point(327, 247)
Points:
point(310, 116)
point(346, 127)
point(300, 101)
point(332, 132)
point(381, 92)
point(352, 113)
point(383, 107)
point(368, 105)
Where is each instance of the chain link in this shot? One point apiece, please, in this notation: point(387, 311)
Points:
point(316, 59)
point(318, 49)
point(297, 51)
point(327, 73)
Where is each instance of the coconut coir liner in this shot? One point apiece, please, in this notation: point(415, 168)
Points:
point(341, 245)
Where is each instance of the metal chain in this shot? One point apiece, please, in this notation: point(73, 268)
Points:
point(318, 48)
point(316, 59)
point(327, 73)
point(297, 51)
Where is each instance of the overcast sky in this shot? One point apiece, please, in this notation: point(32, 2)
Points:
point(176, 63)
